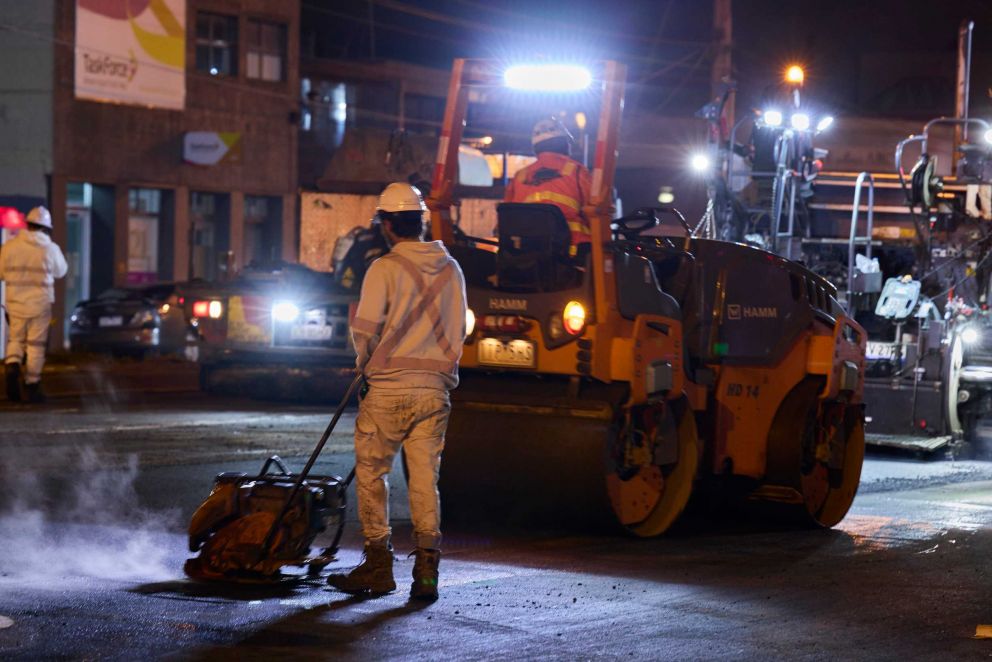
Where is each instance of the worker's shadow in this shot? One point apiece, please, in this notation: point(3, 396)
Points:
point(187, 589)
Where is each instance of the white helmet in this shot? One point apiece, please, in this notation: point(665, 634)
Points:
point(547, 129)
point(400, 196)
point(39, 216)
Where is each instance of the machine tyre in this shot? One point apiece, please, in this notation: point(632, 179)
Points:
point(661, 492)
point(821, 475)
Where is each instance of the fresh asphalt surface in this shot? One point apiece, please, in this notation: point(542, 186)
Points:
point(94, 499)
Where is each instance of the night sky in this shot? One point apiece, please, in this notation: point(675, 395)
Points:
point(884, 58)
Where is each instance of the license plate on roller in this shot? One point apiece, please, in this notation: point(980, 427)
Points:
point(883, 350)
point(512, 354)
point(311, 332)
point(115, 320)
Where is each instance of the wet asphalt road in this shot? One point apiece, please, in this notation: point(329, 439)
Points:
point(94, 498)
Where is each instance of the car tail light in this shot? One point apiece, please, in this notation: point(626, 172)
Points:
point(212, 309)
point(574, 317)
point(504, 324)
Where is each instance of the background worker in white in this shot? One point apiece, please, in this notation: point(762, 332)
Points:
point(408, 332)
point(29, 264)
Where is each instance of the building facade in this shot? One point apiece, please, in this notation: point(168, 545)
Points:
point(193, 175)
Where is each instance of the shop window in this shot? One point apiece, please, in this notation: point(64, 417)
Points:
point(265, 45)
point(209, 215)
point(263, 229)
point(217, 44)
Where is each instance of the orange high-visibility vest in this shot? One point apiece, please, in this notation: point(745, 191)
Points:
point(556, 179)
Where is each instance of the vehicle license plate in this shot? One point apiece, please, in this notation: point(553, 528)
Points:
point(883, 350)
point(115, 320)
point(515, 353)
point(311, 332)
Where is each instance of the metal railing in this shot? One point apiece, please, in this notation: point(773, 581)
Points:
point(853, 239)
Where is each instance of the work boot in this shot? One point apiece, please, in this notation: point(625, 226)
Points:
point(12, 375)
point(33, 393)
point(424, 586)
point(374, 575)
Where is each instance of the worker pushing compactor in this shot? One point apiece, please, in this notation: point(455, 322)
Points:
point(408, 333)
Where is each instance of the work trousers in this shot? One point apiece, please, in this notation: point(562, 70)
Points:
point(29, 336)
point(389, 419)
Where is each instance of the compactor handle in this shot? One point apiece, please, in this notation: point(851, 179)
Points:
point(276, 460)
point(646, 218)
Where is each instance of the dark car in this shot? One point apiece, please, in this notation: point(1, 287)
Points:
point(276, 322)
point(136, 321)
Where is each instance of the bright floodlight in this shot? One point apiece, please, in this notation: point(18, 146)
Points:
point(799, 121)
point(988, 136)
point(824, 123)
point(772, 118)
point(547, 77)
point(700, 163)
point(970, 335)
point(285, 311)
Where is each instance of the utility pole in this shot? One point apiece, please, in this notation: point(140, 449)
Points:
point(963, 85)
point(722, 71)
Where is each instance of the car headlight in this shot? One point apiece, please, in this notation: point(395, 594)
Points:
point(79, 317)
point(285, 311)
point(970, 335)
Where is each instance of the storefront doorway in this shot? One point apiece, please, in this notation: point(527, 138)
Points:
point(210, 234)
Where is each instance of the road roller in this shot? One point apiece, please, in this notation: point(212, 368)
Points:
point(608, 385)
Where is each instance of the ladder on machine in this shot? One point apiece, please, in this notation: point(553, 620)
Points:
point(859, 282)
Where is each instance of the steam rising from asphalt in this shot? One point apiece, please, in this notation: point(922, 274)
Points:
point(83, 521)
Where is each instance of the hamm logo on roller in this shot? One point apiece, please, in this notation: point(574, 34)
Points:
point(507, 304)
point(735, 311)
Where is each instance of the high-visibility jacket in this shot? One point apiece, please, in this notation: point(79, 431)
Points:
point(29, 265)
point(409, 327)
point(556, 179)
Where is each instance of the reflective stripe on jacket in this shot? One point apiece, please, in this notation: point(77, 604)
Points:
point(409, 328)
point(556, 179)
point(29, 265)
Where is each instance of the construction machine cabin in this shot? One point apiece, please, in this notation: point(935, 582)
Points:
point(609, 385)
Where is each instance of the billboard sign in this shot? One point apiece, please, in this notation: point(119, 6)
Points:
point(131, 51)
point(207, 148)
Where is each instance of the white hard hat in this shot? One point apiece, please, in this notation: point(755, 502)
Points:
point(40, 216)
point(400, 196)
point(547, 129)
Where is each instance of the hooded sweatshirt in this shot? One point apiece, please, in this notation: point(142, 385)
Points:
point(29, 264)
point(409, 328)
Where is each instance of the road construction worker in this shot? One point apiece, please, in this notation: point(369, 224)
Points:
point(408, 333)
point(29, 265)
point(555, 178)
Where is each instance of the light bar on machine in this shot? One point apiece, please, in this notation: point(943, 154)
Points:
point(547, 77)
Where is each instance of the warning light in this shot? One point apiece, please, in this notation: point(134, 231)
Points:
point(795, 75)
point(547, 77)
point(11, 219)
point(574, 317)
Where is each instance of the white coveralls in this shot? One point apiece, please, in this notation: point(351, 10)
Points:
point(408, 332)
point(29, 265)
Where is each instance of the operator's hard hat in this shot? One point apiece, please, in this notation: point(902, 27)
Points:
point(400, 196)
point(547, 129)
point(39, 216)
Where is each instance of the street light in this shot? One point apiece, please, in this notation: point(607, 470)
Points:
point(547, 77)
point(824, 123)
point(795, 75)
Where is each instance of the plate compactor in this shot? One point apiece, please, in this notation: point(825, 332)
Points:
point(251, 526)
point(612, 384)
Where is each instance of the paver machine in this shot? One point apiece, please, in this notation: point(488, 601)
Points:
point(611, 386)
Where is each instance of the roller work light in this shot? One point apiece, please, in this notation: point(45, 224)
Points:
point(547, 77)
